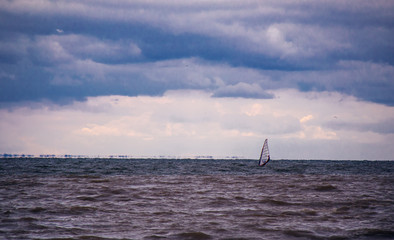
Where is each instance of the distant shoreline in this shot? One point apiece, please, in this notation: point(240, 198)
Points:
point(161, 157)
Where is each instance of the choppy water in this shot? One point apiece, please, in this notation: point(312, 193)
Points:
point(195, 199)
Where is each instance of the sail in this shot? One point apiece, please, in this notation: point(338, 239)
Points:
point(265, 154)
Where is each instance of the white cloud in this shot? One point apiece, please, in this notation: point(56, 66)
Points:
point(48, 51)
point(306, 118)
point(307, 40)
point(277, 39)
point(193, 123)
point(54, 50)
point(66, 48)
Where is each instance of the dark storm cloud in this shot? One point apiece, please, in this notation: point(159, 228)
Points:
point(60, 50)
point(243, 90)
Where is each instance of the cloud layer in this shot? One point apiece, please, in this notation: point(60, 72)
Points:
point(298, 125)
point(214, 77)
point(62, 50)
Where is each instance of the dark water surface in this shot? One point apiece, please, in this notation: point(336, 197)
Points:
point(195, 199)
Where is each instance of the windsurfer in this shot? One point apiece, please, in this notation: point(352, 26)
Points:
point(268, 159)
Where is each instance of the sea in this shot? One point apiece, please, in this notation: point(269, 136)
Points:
point(96, 198)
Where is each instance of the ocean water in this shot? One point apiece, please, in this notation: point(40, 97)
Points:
point(195, 199)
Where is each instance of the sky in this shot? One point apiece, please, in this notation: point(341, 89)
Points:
point(198, 78)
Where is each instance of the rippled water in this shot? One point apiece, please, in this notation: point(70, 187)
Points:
point(195, 199)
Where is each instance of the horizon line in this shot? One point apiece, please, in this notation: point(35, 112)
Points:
point(163, 157)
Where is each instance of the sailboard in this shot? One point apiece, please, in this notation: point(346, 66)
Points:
point(265, 154)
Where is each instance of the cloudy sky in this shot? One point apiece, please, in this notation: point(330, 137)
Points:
point(190, 78)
